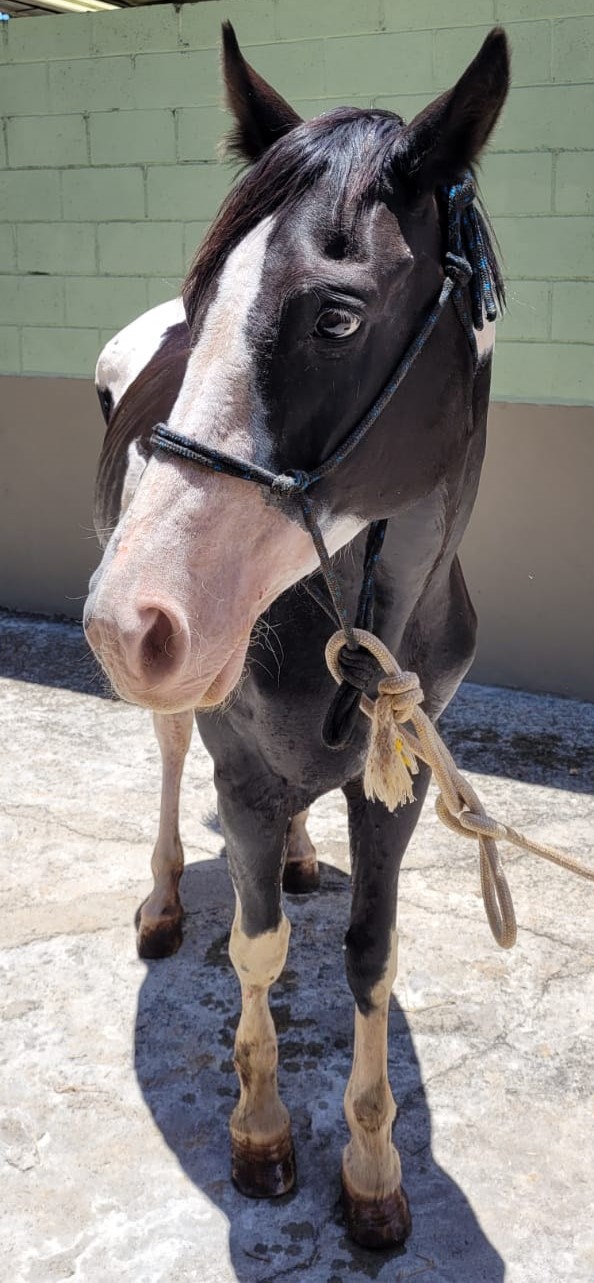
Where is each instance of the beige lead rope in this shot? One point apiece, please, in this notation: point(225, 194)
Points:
point(391, 761)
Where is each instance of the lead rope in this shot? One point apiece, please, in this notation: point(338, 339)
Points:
point(391, 762)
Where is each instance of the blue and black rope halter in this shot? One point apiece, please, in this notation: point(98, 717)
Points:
point(467, 263)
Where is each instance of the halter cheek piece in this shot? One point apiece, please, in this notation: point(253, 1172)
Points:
point(466, 263)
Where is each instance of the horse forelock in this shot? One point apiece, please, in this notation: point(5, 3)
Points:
point(348, 146)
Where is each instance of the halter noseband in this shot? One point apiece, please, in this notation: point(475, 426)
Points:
point(466, 262)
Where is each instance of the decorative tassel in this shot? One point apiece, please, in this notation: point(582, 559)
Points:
point(390, 762)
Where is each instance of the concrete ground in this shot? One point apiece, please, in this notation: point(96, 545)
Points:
point(117, 1079)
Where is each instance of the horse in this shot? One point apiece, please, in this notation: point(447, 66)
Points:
point(312, 285)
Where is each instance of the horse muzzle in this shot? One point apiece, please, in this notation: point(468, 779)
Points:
point(151, 657)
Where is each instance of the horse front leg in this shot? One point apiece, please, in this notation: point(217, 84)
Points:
point(159, 918)
point(263, 1164)
point(375, 1202)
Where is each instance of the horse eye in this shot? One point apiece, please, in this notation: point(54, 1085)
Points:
point(335, 323)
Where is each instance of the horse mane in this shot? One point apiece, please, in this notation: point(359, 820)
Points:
point(148, 400)
point(492, 249)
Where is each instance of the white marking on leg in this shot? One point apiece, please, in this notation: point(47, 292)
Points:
point(260, 1116)
point(174, 733)
point(370, 1164)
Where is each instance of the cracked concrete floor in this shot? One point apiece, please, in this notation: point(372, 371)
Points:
point(117, 1078)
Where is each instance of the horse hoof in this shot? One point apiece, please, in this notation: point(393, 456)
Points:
point(160, 938)
point(377, 1223)
point(263, 1171)
point(300, 877)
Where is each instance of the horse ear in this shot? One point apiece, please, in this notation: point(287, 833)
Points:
point(261, 115)
point(449, 135)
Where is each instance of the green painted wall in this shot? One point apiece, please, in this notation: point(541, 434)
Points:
point(110, 126)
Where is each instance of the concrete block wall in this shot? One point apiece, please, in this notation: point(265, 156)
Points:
point(110, 174)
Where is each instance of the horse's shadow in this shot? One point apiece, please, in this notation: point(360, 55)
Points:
point(188, 1009)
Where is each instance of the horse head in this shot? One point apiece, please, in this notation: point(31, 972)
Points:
point(309, 287)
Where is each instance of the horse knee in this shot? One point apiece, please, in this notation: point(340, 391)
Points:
point(259, 959)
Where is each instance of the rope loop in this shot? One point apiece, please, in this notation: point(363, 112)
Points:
point(468, 825)
point(356, 670)
point(357, 667)
point(370, 643)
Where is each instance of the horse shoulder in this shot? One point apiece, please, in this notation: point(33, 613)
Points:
point(129, 351)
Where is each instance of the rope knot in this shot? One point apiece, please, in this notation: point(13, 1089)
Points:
point(289, 483)
point(458, 269)
point(390, 758)
point(470, 824)
point(391, 762)
point(405, 694)
point(462, 194)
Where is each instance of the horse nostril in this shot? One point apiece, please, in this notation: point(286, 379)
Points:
point(163, 641)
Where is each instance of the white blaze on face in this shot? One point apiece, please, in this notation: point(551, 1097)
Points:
point(131, 349)
point(218, 403)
